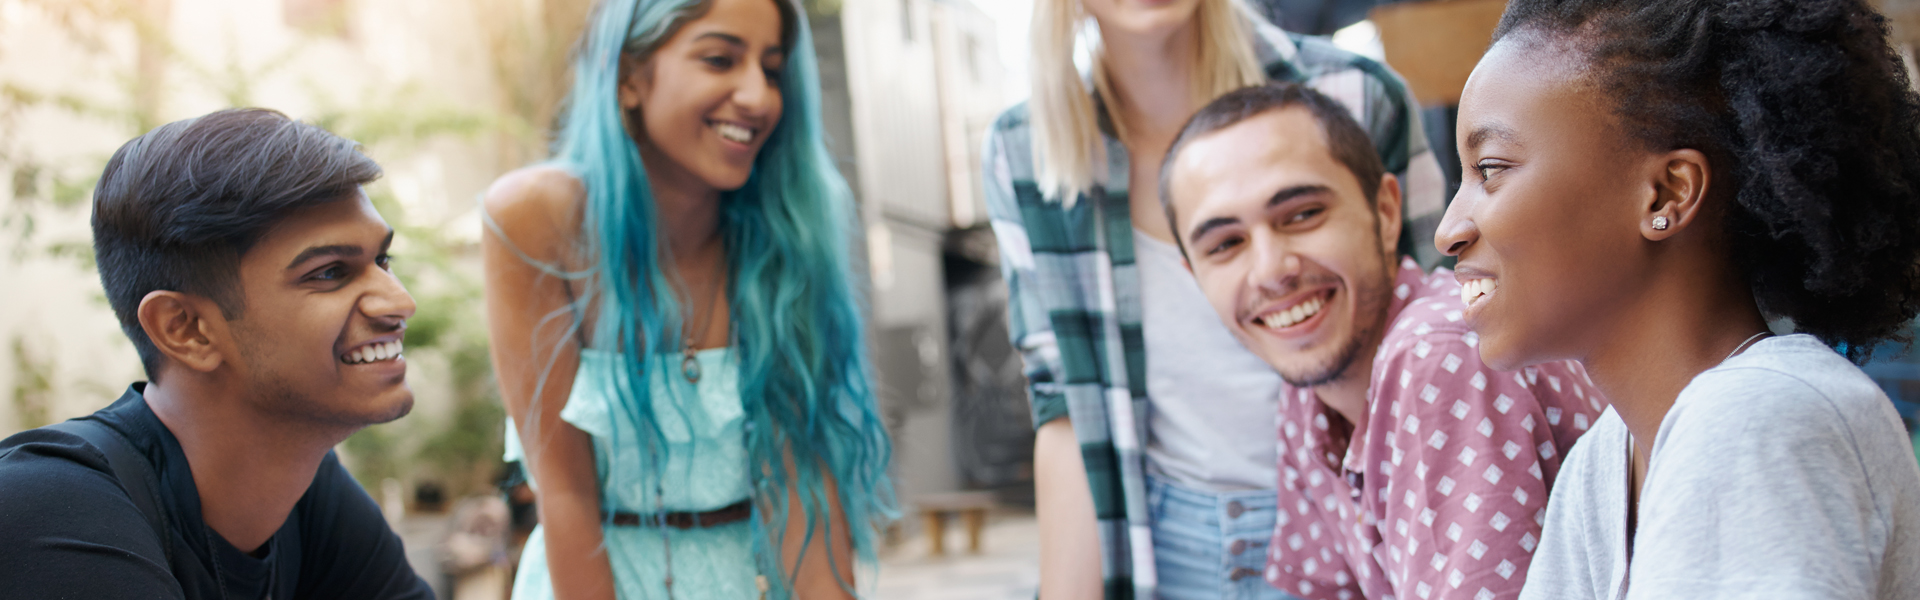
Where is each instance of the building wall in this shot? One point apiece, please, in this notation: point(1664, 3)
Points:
point(895, 114)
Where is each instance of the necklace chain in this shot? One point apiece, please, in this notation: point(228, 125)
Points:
point(1730, 355)
point(690, 367)
point(689, 363)
point(1743, 345)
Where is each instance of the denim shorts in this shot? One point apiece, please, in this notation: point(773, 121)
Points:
point(1211, 545)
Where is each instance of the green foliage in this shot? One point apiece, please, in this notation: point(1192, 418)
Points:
point(466, 452)
point(822, 8)
point(14, 96)
point(78, 252)
point(26, 180)
point(375, 454)
point(21, 226)
point(406, 125)
point(71, 192)
point(32, 386)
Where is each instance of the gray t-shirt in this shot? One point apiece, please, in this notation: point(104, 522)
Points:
point(1214, 404)
point(1781, 473)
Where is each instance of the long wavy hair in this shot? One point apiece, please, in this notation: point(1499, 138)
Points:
point(797, 333)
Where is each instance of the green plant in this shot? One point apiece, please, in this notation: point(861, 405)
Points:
point(375, 456)
point(32, 385)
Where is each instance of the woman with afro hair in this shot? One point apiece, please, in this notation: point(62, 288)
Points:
point(1648, 184)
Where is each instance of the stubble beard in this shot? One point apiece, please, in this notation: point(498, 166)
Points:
point(280, 398)
point(1370, 315)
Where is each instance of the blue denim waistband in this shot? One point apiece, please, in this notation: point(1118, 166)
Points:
point(1211, 544)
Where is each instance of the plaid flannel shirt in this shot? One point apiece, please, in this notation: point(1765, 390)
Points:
point(1074, 290)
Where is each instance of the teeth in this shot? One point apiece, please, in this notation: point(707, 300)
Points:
point(1299, 312)
point(1472, 290)
point(374, 353)
point(733, 132)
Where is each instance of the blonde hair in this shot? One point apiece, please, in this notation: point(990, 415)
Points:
point(1066, 131)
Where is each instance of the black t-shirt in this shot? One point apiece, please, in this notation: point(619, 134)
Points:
point(68, 530)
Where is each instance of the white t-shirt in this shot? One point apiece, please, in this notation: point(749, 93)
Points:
point(1214, 404)
point(1783, 472)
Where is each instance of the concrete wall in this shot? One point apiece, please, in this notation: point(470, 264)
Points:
point(895, 116)
point(923, 86)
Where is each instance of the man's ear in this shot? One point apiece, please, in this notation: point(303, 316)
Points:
point(184, 327)
point(1386, 208)
point(1679, 190)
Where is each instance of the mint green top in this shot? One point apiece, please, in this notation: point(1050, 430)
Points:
point(706, 469)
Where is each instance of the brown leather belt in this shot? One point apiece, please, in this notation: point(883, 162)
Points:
point(732, 513)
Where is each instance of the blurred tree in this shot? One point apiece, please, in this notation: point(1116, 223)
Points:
point(33, 382)
point(529, 45)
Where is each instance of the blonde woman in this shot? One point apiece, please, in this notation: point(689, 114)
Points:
point(1154, 454)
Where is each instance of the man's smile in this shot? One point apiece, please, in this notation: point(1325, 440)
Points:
point(386, 348)
point(1296, 312)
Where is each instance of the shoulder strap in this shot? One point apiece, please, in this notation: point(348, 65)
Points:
point(133, 470)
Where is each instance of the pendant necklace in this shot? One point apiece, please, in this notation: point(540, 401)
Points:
point(689, 363)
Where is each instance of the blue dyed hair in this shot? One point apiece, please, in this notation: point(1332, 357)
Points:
point(804, 379)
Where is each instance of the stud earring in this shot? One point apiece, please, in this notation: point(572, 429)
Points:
point(1660, 223)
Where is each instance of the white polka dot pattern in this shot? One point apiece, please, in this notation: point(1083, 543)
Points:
point(1441, 495)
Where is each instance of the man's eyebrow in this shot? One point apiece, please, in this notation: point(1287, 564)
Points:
point(1492, 130)
point(1209, 225)
point(1280, 197)
point(1290, 193)
point(337, 250)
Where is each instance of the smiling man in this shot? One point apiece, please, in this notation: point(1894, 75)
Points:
point(1408, 469)
point(250, 272)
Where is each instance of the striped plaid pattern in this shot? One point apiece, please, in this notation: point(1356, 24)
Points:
point(1074, 310)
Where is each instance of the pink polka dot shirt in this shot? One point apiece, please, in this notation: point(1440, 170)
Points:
point(1443, 494)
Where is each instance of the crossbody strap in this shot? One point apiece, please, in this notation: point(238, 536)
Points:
point(133, 471)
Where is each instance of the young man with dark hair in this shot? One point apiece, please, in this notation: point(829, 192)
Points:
point(250, 271)
point(1408, 469)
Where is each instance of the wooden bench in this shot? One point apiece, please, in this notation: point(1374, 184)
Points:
point(971, 506)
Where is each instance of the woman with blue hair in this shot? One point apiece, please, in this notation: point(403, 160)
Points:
point(673, 323)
